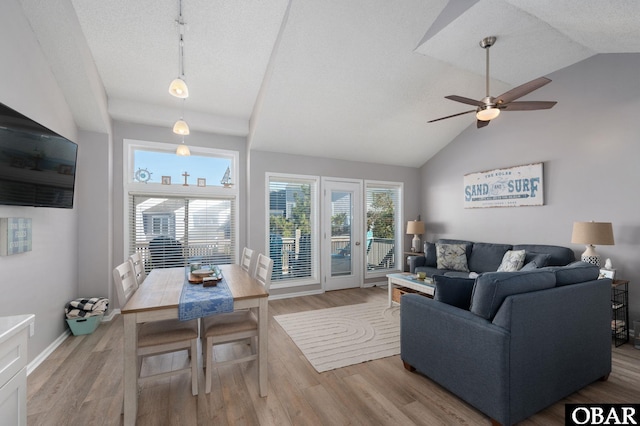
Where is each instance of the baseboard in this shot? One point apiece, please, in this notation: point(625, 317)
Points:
point(48, 351)
point(53, 346)
point(296, 294)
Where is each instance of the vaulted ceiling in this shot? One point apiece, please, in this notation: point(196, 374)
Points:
point(356, 79)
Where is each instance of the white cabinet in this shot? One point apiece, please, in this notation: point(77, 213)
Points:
point(14, 334)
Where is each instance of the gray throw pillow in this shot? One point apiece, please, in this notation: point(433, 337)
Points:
point(430, 254)
point(454, 291)
point(452, 257)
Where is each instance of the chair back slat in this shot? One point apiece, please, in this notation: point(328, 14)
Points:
point(246, 262)
point(125, 282)
point(137, 265)
point(264, 269)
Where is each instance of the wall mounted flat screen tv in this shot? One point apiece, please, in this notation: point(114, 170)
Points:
point(37, 166)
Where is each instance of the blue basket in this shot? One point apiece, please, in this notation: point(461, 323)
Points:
point(85, 325)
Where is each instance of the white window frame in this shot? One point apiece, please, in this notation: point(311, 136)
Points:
point(130, 186)
point(398, 224)
point(315, 226)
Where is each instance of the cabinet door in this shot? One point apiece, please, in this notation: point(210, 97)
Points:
point(13, 400)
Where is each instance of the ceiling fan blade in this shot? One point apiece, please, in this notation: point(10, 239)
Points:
point(464, 100)
point(481, 123)
point(449, 116)
point(523, 89)
point(528, 105)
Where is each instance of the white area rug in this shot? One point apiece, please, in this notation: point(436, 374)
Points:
point(337, 337)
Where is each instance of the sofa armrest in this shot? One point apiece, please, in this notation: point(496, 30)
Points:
point(463, 352)
point(415, 261)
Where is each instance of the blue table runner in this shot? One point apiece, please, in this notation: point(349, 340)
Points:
point(197, 301)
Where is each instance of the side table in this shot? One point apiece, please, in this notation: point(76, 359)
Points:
point(406, 254)
point(620, 312)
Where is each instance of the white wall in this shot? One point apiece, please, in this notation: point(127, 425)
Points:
point(589, 144)
point(262, 162)
point(43, 280)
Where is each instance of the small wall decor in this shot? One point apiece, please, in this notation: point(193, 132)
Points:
point(186, 175)
point(15, 235)
point(202, 182)
point(166, 180)
point(511, 187)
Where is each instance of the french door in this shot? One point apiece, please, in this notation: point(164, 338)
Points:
point(342, 234)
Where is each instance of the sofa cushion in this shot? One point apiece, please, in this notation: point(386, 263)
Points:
point(430, 254)
point(452, 256)
point(512, 261)
point(575, 272)
point(540, 260)
point(531, 266)
point(492, 288)
point(454, 291)
point(486, 257)
point(560, 256)
point(468, 244)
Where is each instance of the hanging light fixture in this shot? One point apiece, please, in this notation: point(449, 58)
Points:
point(178, 86)
point(179, 89)
point(181, 127)
point(183, 149)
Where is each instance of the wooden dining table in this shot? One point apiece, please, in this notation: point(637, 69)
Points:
point(157, 298)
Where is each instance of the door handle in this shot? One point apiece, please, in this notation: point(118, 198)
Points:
point(357, 243)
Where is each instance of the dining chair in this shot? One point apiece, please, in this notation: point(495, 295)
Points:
point(159, 337)
point(137, 264)
point(247, 260)
point(233, 327)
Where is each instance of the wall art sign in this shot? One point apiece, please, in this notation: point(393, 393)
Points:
point(511, 187)
point(15, 235)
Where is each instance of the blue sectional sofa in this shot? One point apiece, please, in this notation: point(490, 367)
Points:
point(487, 257)
point(511, 343)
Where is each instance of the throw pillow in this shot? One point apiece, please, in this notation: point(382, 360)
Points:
point(454, 291)
point(512, 261)
point(430, 254)
point(539, 259)
point(452, 257)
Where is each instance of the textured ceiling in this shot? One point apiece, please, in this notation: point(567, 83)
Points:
point(353, 80)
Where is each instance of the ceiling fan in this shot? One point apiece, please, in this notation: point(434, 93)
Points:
point(489, 107)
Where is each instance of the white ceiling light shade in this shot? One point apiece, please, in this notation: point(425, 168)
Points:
point(179, 89)
point(487, 114)
point(181, 128)
point(183, 150)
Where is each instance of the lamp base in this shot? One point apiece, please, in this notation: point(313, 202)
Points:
point(590, 255)
point(415, 243)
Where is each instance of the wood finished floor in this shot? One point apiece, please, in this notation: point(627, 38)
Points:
point(81, 383)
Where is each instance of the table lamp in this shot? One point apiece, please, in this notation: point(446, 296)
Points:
point(415, 227)
point(592, 233)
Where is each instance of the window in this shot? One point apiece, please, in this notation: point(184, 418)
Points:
point(293, 228)
point(383, 215)
point(182, 230)
point(180, 209)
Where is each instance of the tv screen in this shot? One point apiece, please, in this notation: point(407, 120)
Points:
point(37, 166)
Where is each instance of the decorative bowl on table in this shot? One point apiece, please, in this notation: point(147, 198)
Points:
point(203, 272)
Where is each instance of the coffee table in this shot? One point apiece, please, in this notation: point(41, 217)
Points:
point(425, 286)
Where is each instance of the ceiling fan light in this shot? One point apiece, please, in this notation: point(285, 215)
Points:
point(181, 128)
point(179, 89)
point(487, 114)
point(183, 150)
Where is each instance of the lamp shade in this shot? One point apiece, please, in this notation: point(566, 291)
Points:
point(183, 150)
point(181, 128)
point(594, 233)
point(415, 227)
point(178, 88)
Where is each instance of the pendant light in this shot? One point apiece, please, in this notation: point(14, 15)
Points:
point(179, 89)
point(178, 86)
point(183, 149)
